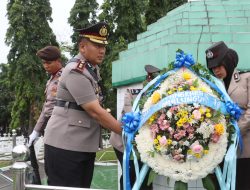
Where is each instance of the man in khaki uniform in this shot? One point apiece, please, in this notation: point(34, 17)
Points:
point(116, 139)
point(51, 59)
point(73, 133)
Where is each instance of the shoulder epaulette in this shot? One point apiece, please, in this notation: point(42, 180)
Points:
point(80, 66)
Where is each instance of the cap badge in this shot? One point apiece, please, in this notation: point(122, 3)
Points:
point(210, 54)
point(103, 31)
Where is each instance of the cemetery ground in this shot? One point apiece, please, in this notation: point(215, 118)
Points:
point(105, 173)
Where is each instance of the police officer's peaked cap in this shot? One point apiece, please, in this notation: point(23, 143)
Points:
point(49, 53)
point(215, 54)
point(151, 69)
point(97, 33)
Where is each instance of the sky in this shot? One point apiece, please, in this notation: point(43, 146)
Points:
point(60, 26)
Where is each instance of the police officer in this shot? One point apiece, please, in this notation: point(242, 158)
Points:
point(73, 133)
point(222, 61)
point(116, 139)
point(51, 60)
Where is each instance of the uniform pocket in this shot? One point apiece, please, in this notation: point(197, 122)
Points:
point(78, 118)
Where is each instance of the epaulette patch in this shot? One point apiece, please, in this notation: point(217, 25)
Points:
point(80, 66)
point(236, 76)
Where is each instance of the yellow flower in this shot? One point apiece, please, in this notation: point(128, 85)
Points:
point(205, 151)
point(197, 155)
point(186, 76)
point(158, 147)
point(156, 97)
point(192, 88)
point(189, 151)
point(208, 110)
point(170, 92)
point(158, 137)
point(219, 129)
point(180, 89)
point(203, 89)
point(169, 142)
point(208, 115)
point(156, 141)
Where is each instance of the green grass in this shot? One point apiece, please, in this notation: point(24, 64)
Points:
point(105, 177)
point(106, 155)
point(4, 163)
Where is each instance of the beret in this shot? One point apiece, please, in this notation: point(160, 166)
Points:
point(49, 53)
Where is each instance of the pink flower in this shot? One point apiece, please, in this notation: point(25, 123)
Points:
point(197, 148)
point(186, 125)
point(215, 138)
point(190, 136)
point(164, 125)
point(197, 114)
point(177, 136)
point(178, 157)
point(154, 129)
point(190, 129)
point(182, 133)
point(163, 141)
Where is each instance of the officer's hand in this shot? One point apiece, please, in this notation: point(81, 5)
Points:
point(33, 136)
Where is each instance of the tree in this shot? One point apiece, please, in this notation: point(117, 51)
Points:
point(28, 31)
point(82, 15)
point(155, 10)
point(172, 4)
point(6, 98)
point(128, 18)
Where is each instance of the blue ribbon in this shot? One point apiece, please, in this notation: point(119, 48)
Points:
point(234, 110)
point(183, 59)
point(130, 125)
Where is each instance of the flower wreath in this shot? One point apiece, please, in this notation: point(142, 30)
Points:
point(185, 124)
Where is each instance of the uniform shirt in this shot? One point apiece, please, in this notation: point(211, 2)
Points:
point(239, 91)
point(50, 100)
point(72, 129)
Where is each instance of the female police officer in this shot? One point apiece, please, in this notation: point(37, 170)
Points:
point(73, 134)
point(222, 61)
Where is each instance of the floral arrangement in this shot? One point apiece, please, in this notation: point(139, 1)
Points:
point(190, 139)
point(183, 126)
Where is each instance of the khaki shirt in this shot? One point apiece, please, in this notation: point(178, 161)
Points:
point(239, 91)
point(50, 100)
point(71, 129)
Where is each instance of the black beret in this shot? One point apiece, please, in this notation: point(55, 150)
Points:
point(49, 53)
point(215, 54)
point(151, 69)
point(97, 33)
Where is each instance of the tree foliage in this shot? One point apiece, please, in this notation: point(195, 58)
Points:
point(6, 98)
point(28, 31)
point(155, 10)
point(82, 15)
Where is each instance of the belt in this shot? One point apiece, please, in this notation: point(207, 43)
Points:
point(69, 105)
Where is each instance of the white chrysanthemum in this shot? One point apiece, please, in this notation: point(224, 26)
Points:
point(205, 129)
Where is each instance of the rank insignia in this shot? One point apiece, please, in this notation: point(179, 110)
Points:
point(236, 76)
point(80, 66)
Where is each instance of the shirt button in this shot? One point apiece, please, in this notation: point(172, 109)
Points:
point(79, 121)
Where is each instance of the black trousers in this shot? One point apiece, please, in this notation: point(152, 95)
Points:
point(69, 168)
point(243, 174)
point(144, 185)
